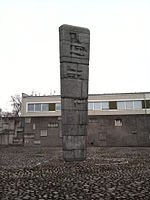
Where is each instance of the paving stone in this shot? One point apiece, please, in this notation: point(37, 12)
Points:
point(105, 174)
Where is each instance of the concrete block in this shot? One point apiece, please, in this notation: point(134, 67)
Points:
point(74, 117)
point(74, 88)
point(71, 88)
point(74, 129)
point(68, 155)
point(67, 32)
point(65, 49)
point(74, 142)
point(84, 93)
point(80, 154)
point(71, 129)
point(74, 71)
point(84, 70)
point(74, 104)
point(70, 117)
point(84, 38)
point(67, 35)
point(74, 60)
point(69, 70)
point(82, 129)
point(74, 155)
point(74, 50)
point(83, 117)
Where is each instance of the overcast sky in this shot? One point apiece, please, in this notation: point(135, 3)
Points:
point(29, 45)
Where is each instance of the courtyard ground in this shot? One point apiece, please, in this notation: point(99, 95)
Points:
point(108, 173)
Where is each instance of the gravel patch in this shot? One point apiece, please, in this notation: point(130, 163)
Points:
point(108, 173)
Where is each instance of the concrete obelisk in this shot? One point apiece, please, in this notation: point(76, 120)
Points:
point(74, 72)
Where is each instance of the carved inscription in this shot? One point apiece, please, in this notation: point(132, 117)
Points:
point(76, 48)
point(73, 72)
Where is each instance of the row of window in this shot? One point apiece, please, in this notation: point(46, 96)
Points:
point(38, 107)
point(120, 105)
point(105, 105)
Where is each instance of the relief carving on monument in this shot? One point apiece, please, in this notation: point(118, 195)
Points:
point(76, 48)
point(74, 73)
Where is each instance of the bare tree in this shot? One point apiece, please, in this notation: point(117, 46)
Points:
point(16, 104)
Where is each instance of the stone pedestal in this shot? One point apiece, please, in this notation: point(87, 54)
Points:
point(74, 72)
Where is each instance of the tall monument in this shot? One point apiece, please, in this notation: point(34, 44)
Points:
point(74, 72)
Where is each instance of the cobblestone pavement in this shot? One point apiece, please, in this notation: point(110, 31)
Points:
point(108, 173)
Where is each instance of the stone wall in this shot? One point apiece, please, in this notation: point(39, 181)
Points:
point(123, 130)
point(126, 130)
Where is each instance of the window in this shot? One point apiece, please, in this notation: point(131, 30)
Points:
point(30, 107)
point(43, 133)
point(90, 106)
point(129, 104)
point(112, 104)
point(118, 122)
point(121, 105)
point(147, 103)
point(105, 105)
point(51, 106)
point(28, 120)
point(97, 106)
point(137, 104)
point(45, 107)
point(58, 106)
point(37, 107)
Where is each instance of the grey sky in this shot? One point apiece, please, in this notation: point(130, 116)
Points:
point(29, 44)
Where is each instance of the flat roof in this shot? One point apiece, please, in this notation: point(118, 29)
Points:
point(98, 94)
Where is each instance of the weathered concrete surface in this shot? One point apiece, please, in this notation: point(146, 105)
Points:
point(74, 44)
point(74, 73)
point(108, 173)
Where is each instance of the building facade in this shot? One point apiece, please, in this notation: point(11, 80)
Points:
point(113, 120)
